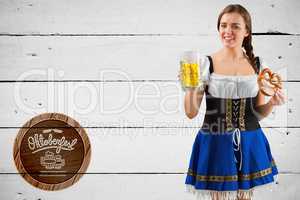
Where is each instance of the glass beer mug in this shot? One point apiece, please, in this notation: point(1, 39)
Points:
point(190, 69)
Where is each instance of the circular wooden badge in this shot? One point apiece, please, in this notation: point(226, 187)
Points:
point(52, 151)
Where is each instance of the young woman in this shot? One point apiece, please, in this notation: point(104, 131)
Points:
point(231, 155)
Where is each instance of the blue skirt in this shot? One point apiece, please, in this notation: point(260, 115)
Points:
point(230, 162)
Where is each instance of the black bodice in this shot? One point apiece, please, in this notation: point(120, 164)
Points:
point(227, 114)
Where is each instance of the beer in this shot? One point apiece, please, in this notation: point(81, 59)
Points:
point(190, 69)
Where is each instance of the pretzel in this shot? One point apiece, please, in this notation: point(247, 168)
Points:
point(269, 82)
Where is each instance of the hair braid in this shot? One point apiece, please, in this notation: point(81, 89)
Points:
point(247, 44)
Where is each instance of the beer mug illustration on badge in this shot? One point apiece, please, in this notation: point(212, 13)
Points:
point(190, 69)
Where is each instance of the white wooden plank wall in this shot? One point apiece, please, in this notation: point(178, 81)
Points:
point(112, 66)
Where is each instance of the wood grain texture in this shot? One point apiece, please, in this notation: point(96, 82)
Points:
point(134, 43)
point(156, 150)
point(126, 58)
point(114, 104)
point(135, 186)
point(136, 17)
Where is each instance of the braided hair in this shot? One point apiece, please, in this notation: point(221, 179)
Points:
point(247, 42)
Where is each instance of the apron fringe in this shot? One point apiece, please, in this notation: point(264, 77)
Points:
point(220, 195)
point(203, 194)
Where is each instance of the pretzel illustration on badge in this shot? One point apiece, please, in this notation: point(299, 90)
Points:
point(269, 82)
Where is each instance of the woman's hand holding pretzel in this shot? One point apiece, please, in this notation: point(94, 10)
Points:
point(270, 85)
point(278, 98)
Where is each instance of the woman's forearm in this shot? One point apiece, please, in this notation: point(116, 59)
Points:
point(264, 110)
point(192, 102)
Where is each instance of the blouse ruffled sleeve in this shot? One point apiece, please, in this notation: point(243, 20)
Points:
point(204, 70)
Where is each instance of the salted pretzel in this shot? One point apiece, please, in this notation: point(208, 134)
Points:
point(269, 82)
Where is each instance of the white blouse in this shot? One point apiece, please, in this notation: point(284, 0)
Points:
point(229, 86)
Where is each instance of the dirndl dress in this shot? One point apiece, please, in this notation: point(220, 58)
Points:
point(231, 154)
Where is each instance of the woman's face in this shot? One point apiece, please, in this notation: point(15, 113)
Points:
point(232, 30)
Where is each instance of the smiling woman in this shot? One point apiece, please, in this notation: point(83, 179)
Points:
point(231, 154)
